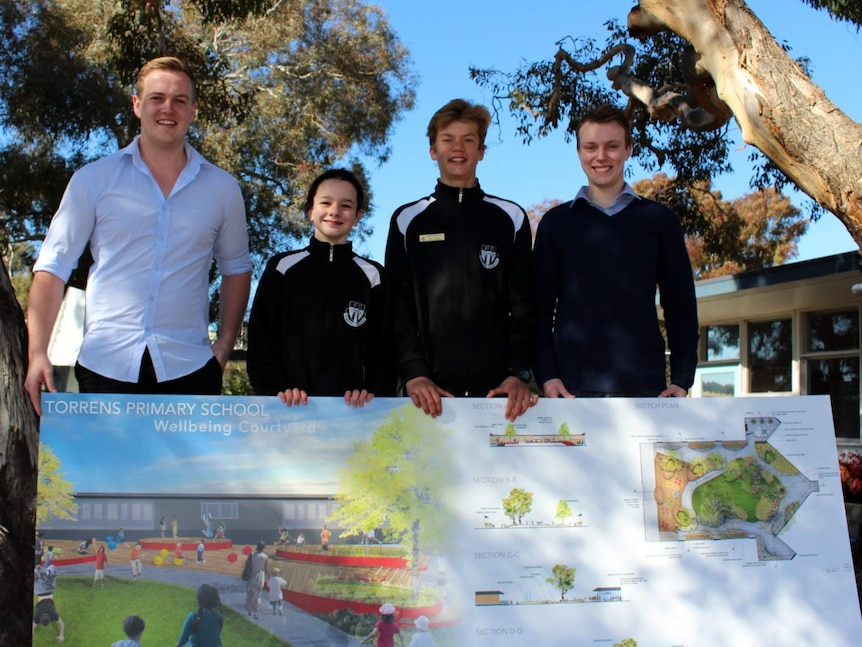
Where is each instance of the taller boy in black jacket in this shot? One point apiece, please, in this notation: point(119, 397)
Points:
point(459, 261)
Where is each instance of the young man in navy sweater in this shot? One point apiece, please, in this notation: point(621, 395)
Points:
point(598, 261)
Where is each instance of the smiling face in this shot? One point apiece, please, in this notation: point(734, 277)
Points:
point(457, 150)
point(166, 107)
point(334, 211)
point(603, 152)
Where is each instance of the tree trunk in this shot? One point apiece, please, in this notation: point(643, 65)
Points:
point(779, 110)
point(19, 444)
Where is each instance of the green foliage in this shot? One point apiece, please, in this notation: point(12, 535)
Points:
point(758, 230)
point(765, 509)
point(369, 550)
point(517, 504)
point(345, 588)
point(562, 578)
point(400, 479)
point(21, 283)
point(237, 381)
point(351, 623)
point(698, 467)
point(747, 492)
point(95, 616)
point(285, 90)
point(716, 461)
point(563, 511)
point(738, 512)
point(55, 496)
point(848, 10)
point(661, 60)
point(670, 461)
point(564, 430)
point(685, 520)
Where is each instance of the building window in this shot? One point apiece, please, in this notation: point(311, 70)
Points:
point(770, 355)
point(722, 343)
point(220, 510)
point(832, 364)
point(834, 331)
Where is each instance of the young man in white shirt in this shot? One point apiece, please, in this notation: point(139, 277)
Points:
point(155, 214)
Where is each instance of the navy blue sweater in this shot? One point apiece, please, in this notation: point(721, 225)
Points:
point(595, 286)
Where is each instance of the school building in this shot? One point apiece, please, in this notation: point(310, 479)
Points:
point(786, 330)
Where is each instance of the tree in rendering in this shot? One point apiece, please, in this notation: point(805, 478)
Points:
point(563, 511)
point(562, 578)
point(55, 496)
point(399, 479)
point(517, 504)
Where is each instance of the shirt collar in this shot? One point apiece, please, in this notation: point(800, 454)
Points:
point(194, 160)
point(623, 199)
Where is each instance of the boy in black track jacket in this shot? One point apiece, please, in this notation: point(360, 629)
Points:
point(317, 322)
point(459, 261)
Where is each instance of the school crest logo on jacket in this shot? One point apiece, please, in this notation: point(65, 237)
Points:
point(355, 314)
point(489, 257)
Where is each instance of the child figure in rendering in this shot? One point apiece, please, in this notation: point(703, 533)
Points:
point(202, 628)
point(276, 581)
point(101, 564)
point(385, 629)
point(45, 614)
point(133, 626)
point(422, 637)
point(317, 324)
point(179, 560)
point(200, 552)
point(135, 556)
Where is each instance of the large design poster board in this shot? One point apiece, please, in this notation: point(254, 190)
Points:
point(664, 523)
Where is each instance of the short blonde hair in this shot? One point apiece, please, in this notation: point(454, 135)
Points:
point(171, 64)
point(460, 110)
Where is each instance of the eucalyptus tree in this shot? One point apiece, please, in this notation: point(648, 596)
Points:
point(684, 69)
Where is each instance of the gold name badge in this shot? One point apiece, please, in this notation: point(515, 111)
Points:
point(431, 238)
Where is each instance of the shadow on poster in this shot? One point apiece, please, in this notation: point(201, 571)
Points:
point(620, 522)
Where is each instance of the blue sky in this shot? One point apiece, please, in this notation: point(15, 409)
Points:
point(259, 447)
point(446, 37)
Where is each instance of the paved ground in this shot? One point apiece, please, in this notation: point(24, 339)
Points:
point(297, 627)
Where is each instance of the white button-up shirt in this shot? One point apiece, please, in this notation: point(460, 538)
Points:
point(149, 283)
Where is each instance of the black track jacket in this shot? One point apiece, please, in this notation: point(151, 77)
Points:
point(459, 263)
point(317, 324)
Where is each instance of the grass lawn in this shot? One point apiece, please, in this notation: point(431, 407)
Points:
point(94, 617)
